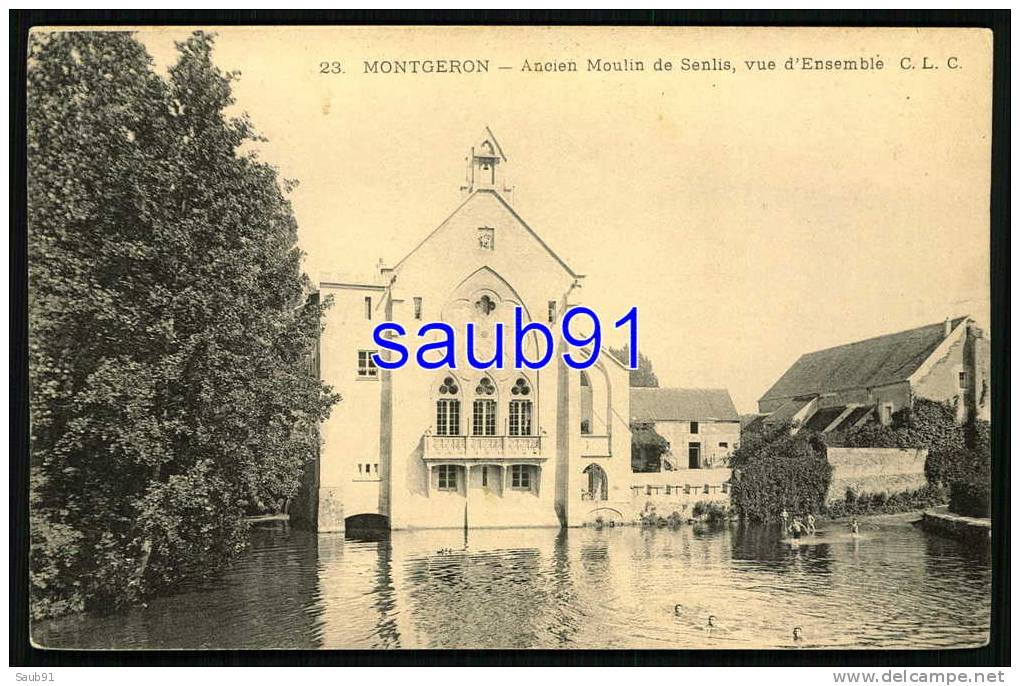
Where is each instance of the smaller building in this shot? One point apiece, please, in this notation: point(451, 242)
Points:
point(700, 425)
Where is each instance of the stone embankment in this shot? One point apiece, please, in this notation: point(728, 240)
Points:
point(970, 529)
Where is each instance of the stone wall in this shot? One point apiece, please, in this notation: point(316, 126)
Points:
point(875, 470)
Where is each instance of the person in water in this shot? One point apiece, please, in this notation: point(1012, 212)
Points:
point(810, 523)
point(785, 516)
point(797, 634)
point(678, 609)
point(796, 528)
point(855, 528)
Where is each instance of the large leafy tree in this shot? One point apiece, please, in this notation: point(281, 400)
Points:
point(171, 390)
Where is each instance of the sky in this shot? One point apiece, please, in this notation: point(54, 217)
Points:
point(750, 216)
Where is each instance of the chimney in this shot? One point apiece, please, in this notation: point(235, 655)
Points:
point(947, 328)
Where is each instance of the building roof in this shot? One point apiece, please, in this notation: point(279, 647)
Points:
point(749, 419)
point(821, 419)
point(788, 410)
point(855, 417)
point(873, 362)
point(682, 404)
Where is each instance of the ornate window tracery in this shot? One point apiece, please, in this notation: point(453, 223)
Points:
point(484, 409)
point(520, 408)
point(448, 408)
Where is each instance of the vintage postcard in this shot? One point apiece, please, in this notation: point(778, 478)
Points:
point(399, 337)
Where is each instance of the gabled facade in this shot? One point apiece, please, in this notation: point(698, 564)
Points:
point(461, 447)
point(840, 388)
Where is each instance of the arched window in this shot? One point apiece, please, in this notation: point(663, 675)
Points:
point(520, 408)
point(448, 408)
point(586, 404)
point(483, 418)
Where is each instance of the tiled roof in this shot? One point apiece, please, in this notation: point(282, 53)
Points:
point(682, 404)
point(822, 418)
point(852, 419)
point(873, 362)
point(786, 412)
point(747, 420)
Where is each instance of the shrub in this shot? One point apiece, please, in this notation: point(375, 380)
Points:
point(648, 516)
point(970, 491)
point(971, 498)
point(774, 470)
point(710, 511)
point(883, 503)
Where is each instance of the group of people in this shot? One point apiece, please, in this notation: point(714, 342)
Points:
point(797, 527)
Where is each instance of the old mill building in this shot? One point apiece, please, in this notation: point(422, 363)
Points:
point(424, 448)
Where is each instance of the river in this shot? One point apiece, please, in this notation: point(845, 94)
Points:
point(894, 587)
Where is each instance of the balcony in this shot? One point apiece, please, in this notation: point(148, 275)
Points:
point(483, 448)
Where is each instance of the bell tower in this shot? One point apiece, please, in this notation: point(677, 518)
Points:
point(486, 166)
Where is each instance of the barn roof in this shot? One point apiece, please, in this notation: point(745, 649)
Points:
point(682, 404)
point(864, 364)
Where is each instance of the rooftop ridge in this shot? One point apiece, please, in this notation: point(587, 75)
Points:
point(955, 322)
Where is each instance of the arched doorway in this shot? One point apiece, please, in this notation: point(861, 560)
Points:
point(598, 483)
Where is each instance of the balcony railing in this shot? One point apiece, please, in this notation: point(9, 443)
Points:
point(490, 447)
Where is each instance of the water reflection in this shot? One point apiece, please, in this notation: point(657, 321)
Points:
point(545, 588)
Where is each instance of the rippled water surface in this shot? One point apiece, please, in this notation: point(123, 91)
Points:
point(896, 586)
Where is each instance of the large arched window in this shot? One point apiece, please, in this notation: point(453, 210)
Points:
point(520, 408)
point(448, 408)
point(483, 416)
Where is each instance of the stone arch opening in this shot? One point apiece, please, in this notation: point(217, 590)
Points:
point(366, 526)
point(598, 483)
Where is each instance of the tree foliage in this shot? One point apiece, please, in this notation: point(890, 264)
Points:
point(775, 470)
point(169, 329)
point(642, 377)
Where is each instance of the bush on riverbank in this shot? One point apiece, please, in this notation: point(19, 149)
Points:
point(854, 504)
point(970, 493)
point(710, 511)
point(171, 389)
point(971, 498)
point(775, 470)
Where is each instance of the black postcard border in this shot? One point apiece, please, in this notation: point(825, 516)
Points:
point(996, 653)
